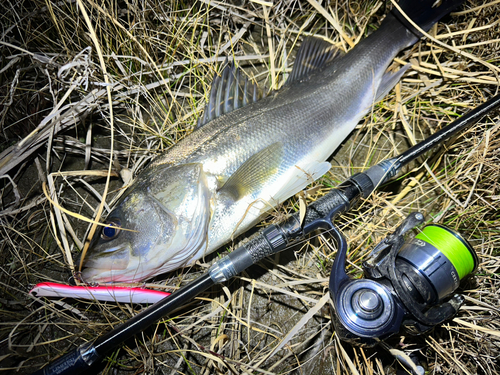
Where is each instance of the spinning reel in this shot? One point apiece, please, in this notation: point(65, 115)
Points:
point(407, 285)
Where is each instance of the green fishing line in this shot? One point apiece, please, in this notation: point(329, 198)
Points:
point(456, 249)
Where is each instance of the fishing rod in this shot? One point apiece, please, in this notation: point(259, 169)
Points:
point(374, 304)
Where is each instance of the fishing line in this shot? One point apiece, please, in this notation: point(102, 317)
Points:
point(452, 245)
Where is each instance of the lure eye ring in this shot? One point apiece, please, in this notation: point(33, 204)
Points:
point(111, 230)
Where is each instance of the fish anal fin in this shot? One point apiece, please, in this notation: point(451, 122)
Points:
point(255, 172)
point(314, 53)
point(230, 90)
point(389, 80)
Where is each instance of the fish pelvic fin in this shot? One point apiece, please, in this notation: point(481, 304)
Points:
point(314, 54)
point(254, 173)
point(424, 13)
point(302, 177)
point(230, 90)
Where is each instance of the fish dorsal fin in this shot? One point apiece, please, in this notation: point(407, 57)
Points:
point(254, 173)
point(314, 54)
point(230, 90)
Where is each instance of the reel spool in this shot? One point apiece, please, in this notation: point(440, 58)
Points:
point(407, 284)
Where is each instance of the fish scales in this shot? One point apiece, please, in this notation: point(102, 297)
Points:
point(218, 181)
point(311, 118)
point(309, 110)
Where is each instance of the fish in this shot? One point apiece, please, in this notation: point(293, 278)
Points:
point(250, 152)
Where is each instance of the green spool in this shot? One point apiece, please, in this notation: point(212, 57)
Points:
point(459, 252)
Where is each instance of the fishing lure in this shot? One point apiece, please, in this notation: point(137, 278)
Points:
point(100, 293)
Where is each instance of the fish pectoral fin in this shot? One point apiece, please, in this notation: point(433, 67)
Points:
point(231, 90)
point(389, 80)
point(254, 173)
point(314, 54)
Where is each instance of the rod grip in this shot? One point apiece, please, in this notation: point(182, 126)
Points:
point(329, 205)
point(277, 237)
point(72, 363)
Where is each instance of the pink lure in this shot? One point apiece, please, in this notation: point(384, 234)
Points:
point(99, 293)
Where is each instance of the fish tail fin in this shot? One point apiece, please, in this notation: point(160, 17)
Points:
point(424, 13)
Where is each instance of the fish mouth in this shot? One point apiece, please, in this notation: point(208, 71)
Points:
point(100, 275)
point(106, 265)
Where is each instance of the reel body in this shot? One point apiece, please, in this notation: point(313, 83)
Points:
point(407, 285)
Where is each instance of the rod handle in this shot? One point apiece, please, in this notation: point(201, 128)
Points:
point(72, 363)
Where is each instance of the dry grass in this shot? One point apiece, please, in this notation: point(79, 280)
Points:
point(139, 77)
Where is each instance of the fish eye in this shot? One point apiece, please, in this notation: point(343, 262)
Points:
point(111, 231)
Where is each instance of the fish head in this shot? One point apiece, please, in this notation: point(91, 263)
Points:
point(159, 224)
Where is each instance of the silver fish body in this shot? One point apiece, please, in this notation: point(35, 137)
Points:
point(219, 180)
